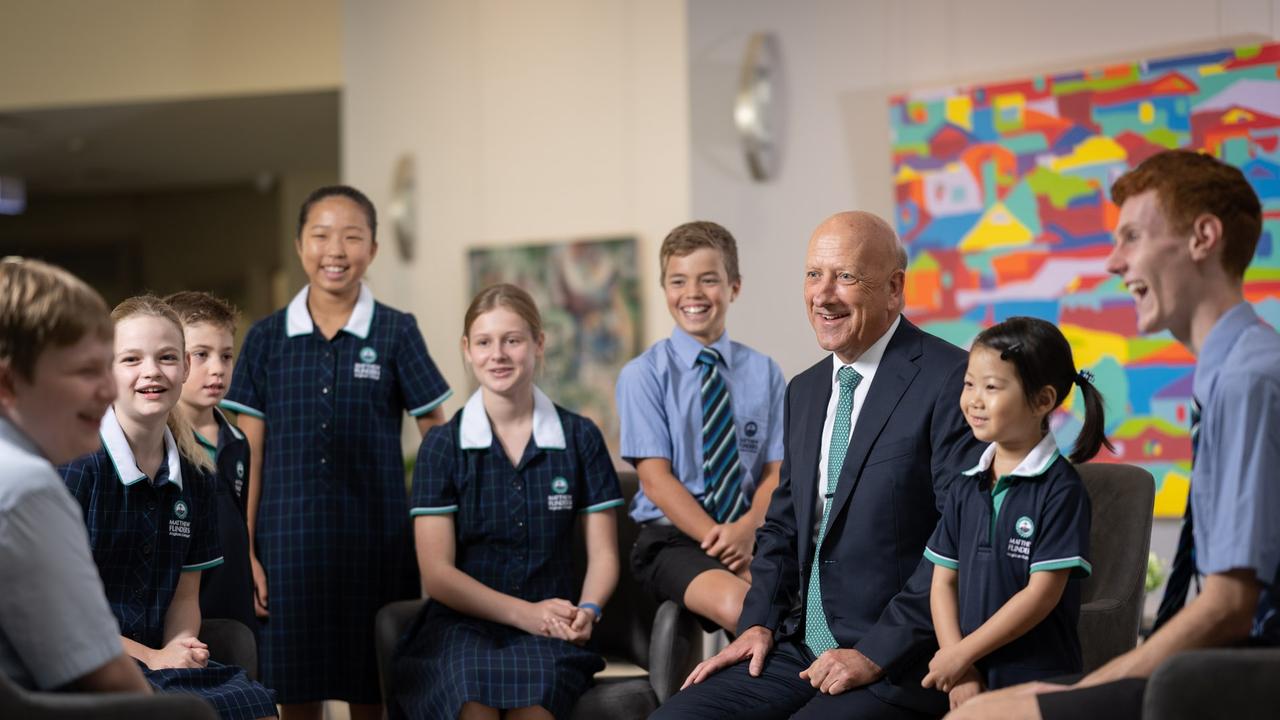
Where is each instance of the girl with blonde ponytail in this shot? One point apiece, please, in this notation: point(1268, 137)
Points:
point(150, 511)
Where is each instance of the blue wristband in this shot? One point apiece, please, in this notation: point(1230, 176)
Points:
point(594, 608)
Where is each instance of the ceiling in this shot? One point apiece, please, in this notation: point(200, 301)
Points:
point(169, 145)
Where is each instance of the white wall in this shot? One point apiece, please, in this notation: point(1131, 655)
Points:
point(842, 58)
point(86, 52)
point(529, 121)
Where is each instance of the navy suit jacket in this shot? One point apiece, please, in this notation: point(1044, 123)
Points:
point(910, 441)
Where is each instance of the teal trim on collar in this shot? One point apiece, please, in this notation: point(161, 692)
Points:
point(298, 318)
point(477, 434)
point(126, 466)
point(1035, 464)
point(224, 422)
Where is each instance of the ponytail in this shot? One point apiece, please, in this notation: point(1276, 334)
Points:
point(1092, 436)
point(188, 447)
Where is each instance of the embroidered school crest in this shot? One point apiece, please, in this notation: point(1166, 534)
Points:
point(751, 429)
point(180, 510)
point(239, 468)
point(559, 499)
point(368, 367)
point(1025, 527)
point(179, 526)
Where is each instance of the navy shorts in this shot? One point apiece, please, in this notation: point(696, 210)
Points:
point(665, 561)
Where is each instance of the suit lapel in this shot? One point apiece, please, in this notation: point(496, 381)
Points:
point(815, 394)
point(893, 376)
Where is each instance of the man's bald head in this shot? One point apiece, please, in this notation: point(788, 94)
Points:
point(854, 275)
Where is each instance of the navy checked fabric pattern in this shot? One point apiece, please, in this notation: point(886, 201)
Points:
point(721, 466)
point(817, 632)
point(139, 554)
point(1184, 558)
point(514, 535)
point(333, 529)
point(233, 695)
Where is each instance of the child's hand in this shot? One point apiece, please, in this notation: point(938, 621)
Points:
point(731, 543)
point(966, 688)
point(537, 618)
point(946, 668)
point(259, 586)
point(183, 651)
point(578, 631)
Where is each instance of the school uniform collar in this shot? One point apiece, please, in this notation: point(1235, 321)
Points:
point(298, 317)
point(1217, 345)
point(687, 347)
point(477, 434)
point(223, 422)
point(117, 445)
point(869, 360)
point(1035, 464)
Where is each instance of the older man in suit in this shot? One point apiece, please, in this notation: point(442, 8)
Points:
point(836, 624)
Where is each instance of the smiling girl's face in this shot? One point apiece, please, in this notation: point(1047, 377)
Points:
point(149, 366)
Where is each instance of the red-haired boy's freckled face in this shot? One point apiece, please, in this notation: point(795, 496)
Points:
point(212, 359)
point(336, 246)
point(1155, 265)
point(61, 406)
point(699, 292)
point(150, 367)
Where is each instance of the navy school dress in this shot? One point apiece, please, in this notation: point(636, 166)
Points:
point(226, 591)
point(995, 534)
point(333, 530)
point(144, 533)
point(514, 528)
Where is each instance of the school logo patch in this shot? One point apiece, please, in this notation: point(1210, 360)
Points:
point(751, 429)
point(368, 355)
point(240, 468)
point(559, 499)
point(1025, 527)
point(179, 526)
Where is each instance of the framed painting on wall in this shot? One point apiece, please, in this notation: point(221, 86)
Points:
point(1002, 197)
point(589, 295)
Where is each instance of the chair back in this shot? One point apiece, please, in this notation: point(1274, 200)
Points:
point(1122, 497)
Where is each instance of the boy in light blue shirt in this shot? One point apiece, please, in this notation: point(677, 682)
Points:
point(702, 424)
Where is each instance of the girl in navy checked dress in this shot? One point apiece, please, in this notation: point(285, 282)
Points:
point(1014, 534)
point(496, 496)
point(151, 515)
point(321, 388)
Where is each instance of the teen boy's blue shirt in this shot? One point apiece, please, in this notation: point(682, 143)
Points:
point(660, 405)
point(1034, 519)
point(144, 531)
point(1235, 485)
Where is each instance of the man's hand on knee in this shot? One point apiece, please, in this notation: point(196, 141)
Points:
point(839, 670)
point(754, 644)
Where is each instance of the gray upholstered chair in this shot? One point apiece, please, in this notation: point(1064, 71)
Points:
point(663, 642)
point(1215, 683)
point(231, 643)
point(16, 702)
point(1122, 497)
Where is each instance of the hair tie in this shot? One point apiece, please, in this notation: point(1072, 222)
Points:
point(1084, 376)
point(1010, 351)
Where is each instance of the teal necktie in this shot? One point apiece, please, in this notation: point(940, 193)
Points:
point(817, 633)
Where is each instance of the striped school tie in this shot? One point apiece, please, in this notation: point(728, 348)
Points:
point(1184, 558)
point(721, 467)
point(817, 633)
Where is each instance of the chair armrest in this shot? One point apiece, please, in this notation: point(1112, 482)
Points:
point(391, 622)
point(106, 706)
point(675, 647)
point(1219, 682)
point(1108, 629)
point(231, 643)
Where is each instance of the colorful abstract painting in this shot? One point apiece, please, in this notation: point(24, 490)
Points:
point(588, 293)
point(1002, 199)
